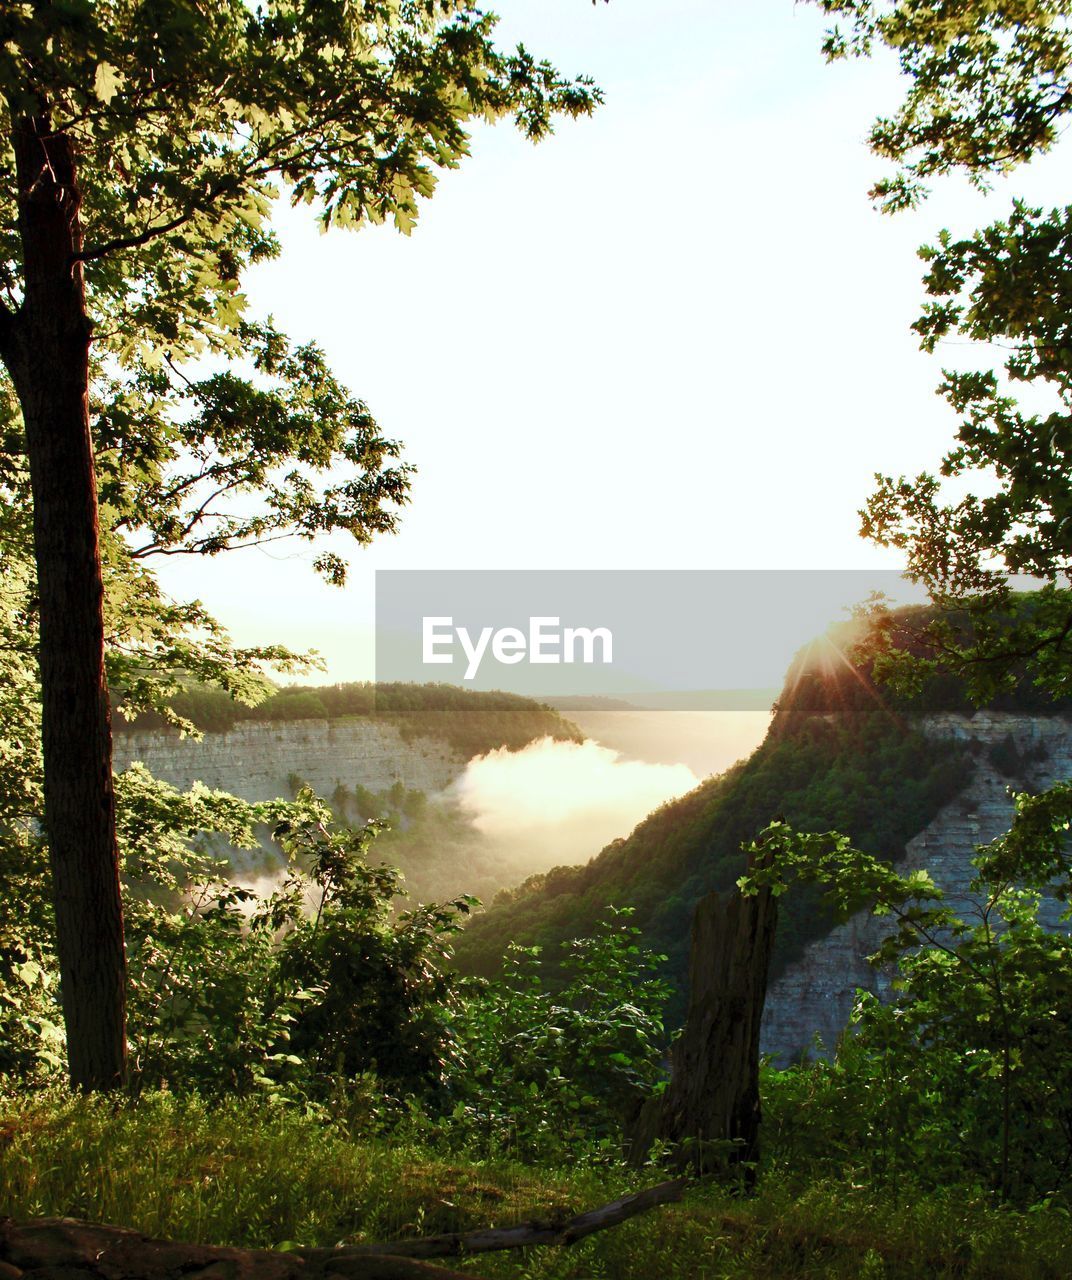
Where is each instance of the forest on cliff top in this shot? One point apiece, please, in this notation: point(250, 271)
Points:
point(470, 721)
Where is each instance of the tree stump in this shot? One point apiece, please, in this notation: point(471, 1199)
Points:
point(710, 1110)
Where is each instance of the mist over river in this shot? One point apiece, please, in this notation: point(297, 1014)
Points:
point(707, 742)
point(486, 823)
point(554, 803)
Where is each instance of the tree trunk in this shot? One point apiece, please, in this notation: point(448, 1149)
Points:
point(710, 1111)
point(46, 349)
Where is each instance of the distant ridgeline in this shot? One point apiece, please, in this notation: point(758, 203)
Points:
point(840, 754)
point(470, 722)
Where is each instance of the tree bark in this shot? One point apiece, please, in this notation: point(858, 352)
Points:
point(710, 1111)
point(45, 346)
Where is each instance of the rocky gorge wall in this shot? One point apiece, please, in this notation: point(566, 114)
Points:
point(814, 996)
point(256, 759)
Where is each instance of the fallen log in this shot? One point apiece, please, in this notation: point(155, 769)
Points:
point(67, 1249)
point(537, 1232)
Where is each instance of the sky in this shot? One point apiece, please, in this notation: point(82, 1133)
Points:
point(673, 336)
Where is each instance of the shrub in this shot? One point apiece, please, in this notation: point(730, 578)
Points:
point(546, 1075)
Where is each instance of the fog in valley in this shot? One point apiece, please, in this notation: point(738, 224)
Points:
point(556, 803)
point(561, 802)
point(707, 742)
point(513, 814)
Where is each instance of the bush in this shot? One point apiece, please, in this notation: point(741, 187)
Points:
point(547, 1076)
point(321, 981)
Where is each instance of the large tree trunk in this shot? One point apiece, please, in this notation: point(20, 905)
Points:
point(710, 1111)
point(46, 350)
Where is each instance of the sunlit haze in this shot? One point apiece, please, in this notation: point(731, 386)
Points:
point(672, 336)
point(560, 802)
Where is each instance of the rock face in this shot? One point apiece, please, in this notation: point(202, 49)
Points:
point(257, 760)
point(814, 996)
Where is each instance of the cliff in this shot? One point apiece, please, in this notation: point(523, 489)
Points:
point(866, 772)
point(470, 722)
point(814, 995)
point(918, 780)
point(392, 762)
point(258, 759)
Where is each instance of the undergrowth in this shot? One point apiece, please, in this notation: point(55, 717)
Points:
point(252, 1173)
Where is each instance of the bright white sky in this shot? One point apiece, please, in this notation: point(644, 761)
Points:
point(672, 336)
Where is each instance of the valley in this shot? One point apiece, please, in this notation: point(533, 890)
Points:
point(951, 771)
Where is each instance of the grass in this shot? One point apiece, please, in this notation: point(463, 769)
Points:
point(252, 1174)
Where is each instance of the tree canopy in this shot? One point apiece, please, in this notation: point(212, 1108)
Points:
point(987, 89)
point(145, 142)
point(988, 83)
point(188, 121)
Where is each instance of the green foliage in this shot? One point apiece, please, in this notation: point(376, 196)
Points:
point(434, 843)
point(1007, 284)
point(374, 988)
point(986, 90)
point(226, 988)
point(249, 1173)
point(291, 704)
point(966, 1073)
point(246, 1170)
point(987, 83)
point(545, 1073)
point(31, 1038)
point(1036, 848)
point(188, 124)
point(153, 138)
point(321, 980)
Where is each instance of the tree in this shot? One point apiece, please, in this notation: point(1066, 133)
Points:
point(145, 141)
point(987, 84)
point(988, 89)
point(546, 1069)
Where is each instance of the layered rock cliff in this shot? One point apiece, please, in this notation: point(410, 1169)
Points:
point(258, 760)
point(814, 996)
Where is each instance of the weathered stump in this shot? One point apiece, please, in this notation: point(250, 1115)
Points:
point(710, 1110)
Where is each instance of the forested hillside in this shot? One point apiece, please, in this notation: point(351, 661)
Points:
point(842, 753)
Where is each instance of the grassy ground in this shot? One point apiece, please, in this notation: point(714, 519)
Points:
point(255, 1175)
